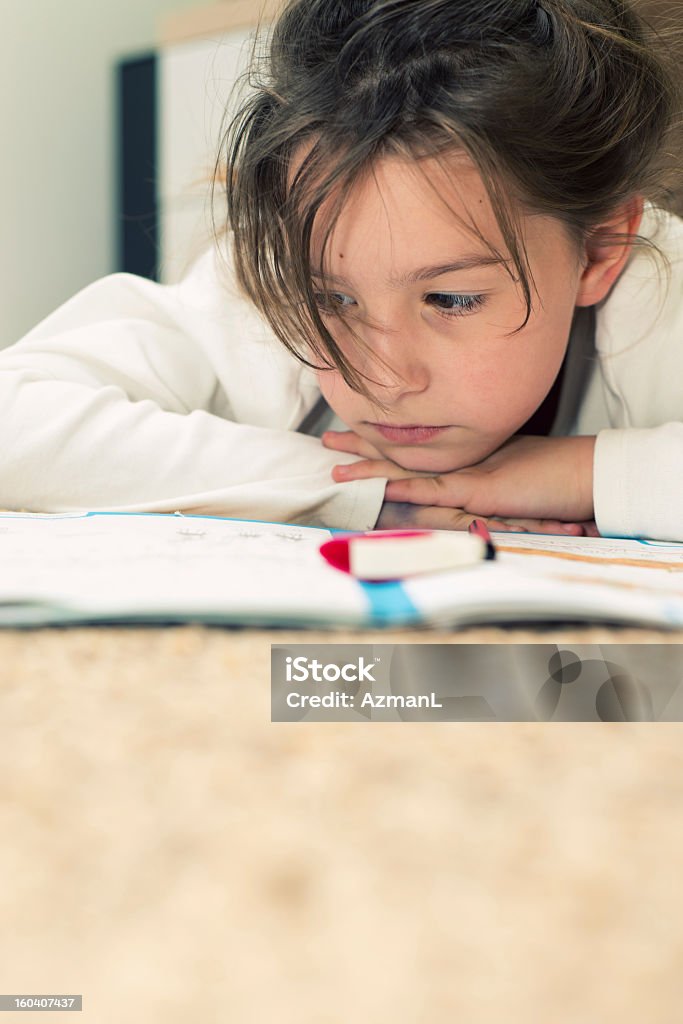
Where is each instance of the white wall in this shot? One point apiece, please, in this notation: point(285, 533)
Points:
point(58, 164)
point(195, 90)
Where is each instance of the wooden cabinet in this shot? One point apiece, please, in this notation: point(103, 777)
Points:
point(212, 20)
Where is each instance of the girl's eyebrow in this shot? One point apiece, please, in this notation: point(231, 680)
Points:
point(426, 273)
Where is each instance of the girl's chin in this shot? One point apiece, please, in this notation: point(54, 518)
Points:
point(425, 461)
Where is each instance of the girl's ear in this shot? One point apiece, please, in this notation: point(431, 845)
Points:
point(603, 259)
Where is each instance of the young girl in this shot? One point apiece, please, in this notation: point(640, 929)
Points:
point(445, 241)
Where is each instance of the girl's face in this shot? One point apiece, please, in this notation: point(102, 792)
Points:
point(439, 311)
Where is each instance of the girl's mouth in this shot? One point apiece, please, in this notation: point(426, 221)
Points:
point(413, 434)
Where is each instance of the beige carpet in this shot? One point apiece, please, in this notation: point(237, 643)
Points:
point(175, 858)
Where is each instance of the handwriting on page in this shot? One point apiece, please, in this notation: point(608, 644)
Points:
point(162, 561)
point(597, 550)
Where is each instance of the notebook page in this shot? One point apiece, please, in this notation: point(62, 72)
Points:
point(539, 576)
point(148, 563)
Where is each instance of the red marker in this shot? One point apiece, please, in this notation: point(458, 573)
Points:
point(479, 529)
point(393, 554)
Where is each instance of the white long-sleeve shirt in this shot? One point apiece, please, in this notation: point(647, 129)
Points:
point(135, 396)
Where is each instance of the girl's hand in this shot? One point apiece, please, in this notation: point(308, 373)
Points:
point(373, 462)
point(398, 515)
point(548, 482)
point(540, 477)
point(351, 442)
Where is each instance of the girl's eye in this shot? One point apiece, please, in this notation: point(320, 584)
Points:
point(450, 304)
point(454, 304)
point(333, 302)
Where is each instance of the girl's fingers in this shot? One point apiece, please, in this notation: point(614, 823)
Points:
point(426, 490)
point(404, 515)
point(368, 468)
point(496, 526)
point(545, 526)
point(349, 441)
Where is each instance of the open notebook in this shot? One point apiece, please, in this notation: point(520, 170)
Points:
point(147, 567)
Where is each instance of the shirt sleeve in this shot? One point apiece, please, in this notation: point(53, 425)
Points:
point(140, 397)
point(638, 482)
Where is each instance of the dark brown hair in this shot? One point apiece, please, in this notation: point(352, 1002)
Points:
point(564, 106)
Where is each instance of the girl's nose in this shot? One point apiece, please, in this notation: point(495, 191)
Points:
point(396, 361)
